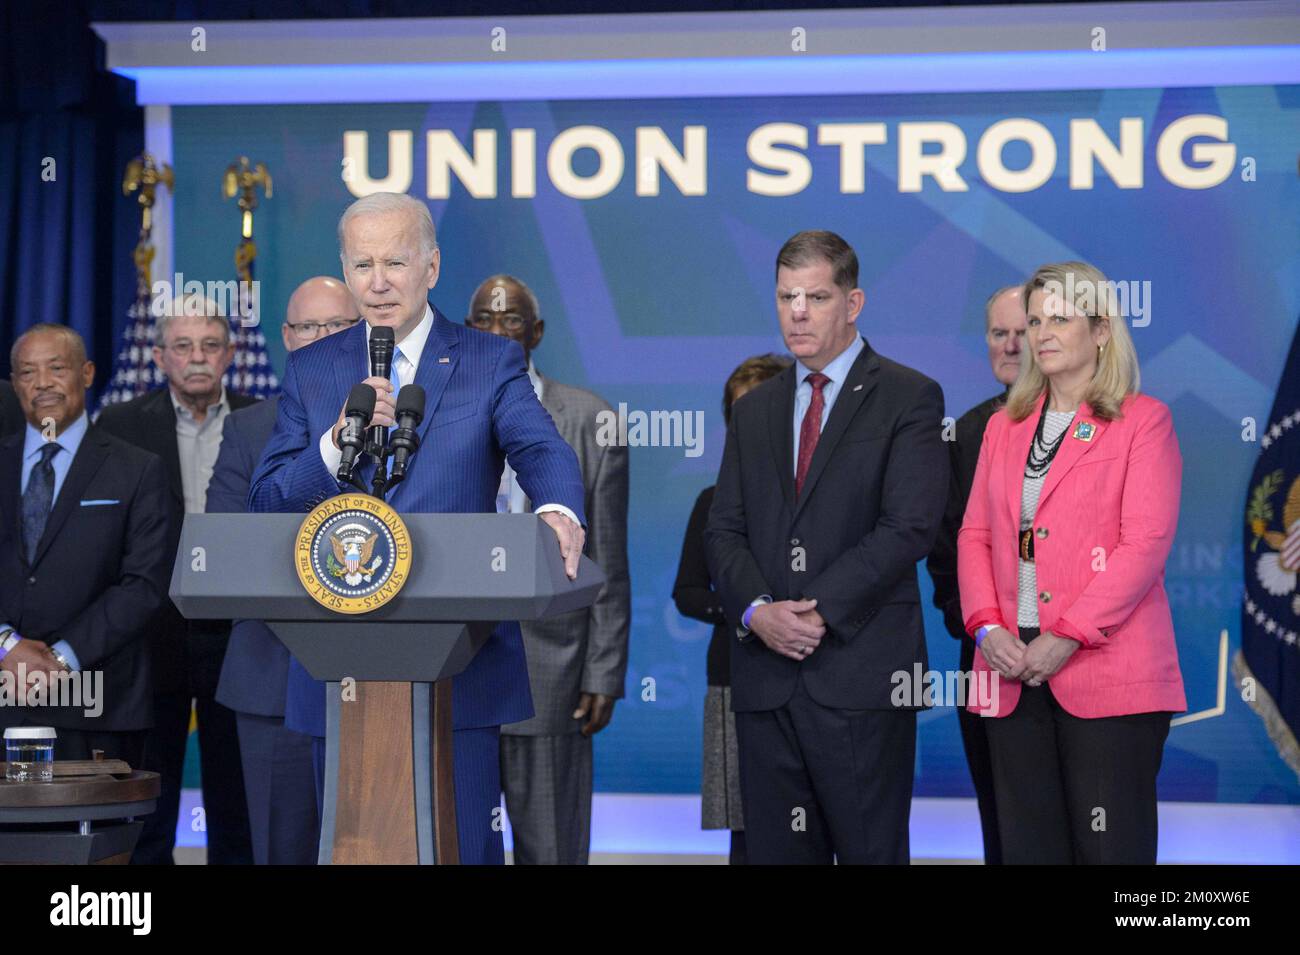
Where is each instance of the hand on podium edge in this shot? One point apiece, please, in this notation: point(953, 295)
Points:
point(572, 539)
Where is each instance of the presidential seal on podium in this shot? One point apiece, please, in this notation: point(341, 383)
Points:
point(353, 553)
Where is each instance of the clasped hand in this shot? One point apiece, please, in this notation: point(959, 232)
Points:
point(792, 628)
point(1031, 663)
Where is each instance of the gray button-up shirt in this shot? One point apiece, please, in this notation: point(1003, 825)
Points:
point(198, 445)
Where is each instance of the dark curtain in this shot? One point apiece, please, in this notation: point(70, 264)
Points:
point(67, 130)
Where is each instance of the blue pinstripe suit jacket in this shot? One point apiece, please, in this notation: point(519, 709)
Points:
point(480, 408)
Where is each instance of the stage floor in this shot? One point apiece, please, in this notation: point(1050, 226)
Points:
point(629, 828)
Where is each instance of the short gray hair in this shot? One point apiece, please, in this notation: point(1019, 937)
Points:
point(193, 305)
point(383, 203)
point(988, 303)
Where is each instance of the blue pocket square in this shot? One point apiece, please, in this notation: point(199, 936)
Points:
point(99, 503)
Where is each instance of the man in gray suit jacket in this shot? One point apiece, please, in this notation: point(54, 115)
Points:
point(577, 661)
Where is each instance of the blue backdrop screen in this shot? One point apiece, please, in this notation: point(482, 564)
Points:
point(648, 230)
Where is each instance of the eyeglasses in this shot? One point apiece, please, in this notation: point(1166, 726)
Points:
point(210, 348)
point(310, 330)
point(510, 321)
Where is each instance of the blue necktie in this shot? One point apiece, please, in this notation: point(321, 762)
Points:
point(397, 386)
point(37, 499)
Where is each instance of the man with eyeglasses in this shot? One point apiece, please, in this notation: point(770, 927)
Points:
point(182, 424)
point(318, 307)
point(1004, 333)
point(278, 775)
point(576, 661)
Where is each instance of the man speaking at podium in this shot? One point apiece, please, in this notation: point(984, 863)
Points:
point(480, 407)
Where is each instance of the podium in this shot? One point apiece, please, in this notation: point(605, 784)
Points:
point(389, 796)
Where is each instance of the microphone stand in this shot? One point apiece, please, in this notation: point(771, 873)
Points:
point(380, 481)
point(355, 481)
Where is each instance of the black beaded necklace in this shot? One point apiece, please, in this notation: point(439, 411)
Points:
point(1040, 453)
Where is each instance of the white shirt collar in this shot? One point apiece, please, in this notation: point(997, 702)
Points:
point(412, 345)
point(182, 410)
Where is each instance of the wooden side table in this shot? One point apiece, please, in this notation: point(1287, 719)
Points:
point(103, 798)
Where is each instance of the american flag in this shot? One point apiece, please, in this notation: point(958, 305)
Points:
point(1270, 618)
point(134, 371)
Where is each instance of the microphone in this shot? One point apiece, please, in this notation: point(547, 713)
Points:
point(404, 441)
point(352, 436)
point(382, 343)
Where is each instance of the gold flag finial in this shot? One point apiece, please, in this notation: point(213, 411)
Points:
point(143, 176)
point(242, 179)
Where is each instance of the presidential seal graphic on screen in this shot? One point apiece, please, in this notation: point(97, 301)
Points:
point(353, 553)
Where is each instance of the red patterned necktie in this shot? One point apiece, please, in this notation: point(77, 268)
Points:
point(810, 429)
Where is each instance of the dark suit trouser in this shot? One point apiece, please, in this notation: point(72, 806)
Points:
point(547, 783)
point(225, 812)
point(975, 741)
point(280, 786)
point(822, 784)
point(1073, 790)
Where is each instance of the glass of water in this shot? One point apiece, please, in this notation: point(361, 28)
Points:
point(29, 753)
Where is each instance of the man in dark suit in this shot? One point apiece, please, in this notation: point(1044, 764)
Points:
point(832, 486)
point(83, 554)
point(277, 762)
point(11, 413)
point(576, 661)
point(480, 408)
point(182, 425)
point(1004, 331)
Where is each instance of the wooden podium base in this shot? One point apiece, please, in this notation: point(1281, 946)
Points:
point(395, 804)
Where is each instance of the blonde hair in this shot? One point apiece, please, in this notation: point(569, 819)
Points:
point(1117, 375)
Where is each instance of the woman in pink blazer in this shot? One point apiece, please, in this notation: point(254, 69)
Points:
point(1061, 566)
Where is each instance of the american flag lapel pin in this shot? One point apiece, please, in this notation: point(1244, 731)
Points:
point(444, 360)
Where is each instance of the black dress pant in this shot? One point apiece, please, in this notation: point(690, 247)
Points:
point(225, 811)
point(975, 741)
point(1073, 790)
point(280, 784)
point(821, 785)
